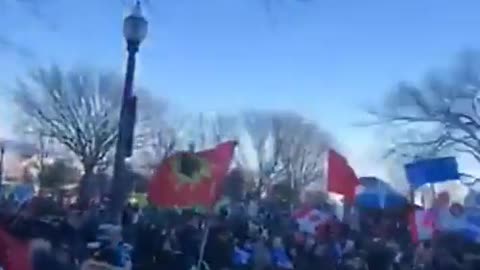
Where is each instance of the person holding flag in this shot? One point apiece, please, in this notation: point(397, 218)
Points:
point(192, 180)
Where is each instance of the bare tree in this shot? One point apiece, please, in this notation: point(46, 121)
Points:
point(225, 127)
point(77, 108)
point(443, 111)
point(162, 143)
point(301, 148)
point(259, 125)
point(166, 143)
point(409, 145)
point(160, 135)
point(166, 135)
point(287, 147)
point(208, 130)
point(56, 175)
point(200, 132)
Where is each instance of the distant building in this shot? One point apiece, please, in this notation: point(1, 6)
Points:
point(17, 157)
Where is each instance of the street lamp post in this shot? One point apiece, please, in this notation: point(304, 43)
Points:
point(2, 157)
point(135, 28)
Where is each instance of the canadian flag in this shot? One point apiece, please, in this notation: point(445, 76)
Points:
point(310, 219)
point(341, 178)
point(422, 224)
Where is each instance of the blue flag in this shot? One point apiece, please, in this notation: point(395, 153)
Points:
point(23, 193)
point(432, 171)
point(241, 256)
point(280, 259)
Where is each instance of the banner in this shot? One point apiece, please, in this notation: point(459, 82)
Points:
point(432, 171)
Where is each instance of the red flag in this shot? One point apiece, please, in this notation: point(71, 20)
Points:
point(341, 177)
point(14, 254)
point(191, 179)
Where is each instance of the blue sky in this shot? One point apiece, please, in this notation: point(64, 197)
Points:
point(326, 59)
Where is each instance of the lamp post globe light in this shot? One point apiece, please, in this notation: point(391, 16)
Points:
point(135, 28)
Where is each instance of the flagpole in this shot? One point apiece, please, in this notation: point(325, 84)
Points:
point(325, 171)
point(412, 195)
point(206, 232)
point(434, 192)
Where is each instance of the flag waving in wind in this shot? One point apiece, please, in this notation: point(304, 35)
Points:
point(14, 253)
point(191, 179)
point(341, 177)
point(432, 171)
point(422, 224)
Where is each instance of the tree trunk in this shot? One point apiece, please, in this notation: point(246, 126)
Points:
point(85, 189)
point(259, 190)
point(60, 196)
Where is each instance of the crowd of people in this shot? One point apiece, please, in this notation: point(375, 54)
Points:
point(77, 238)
